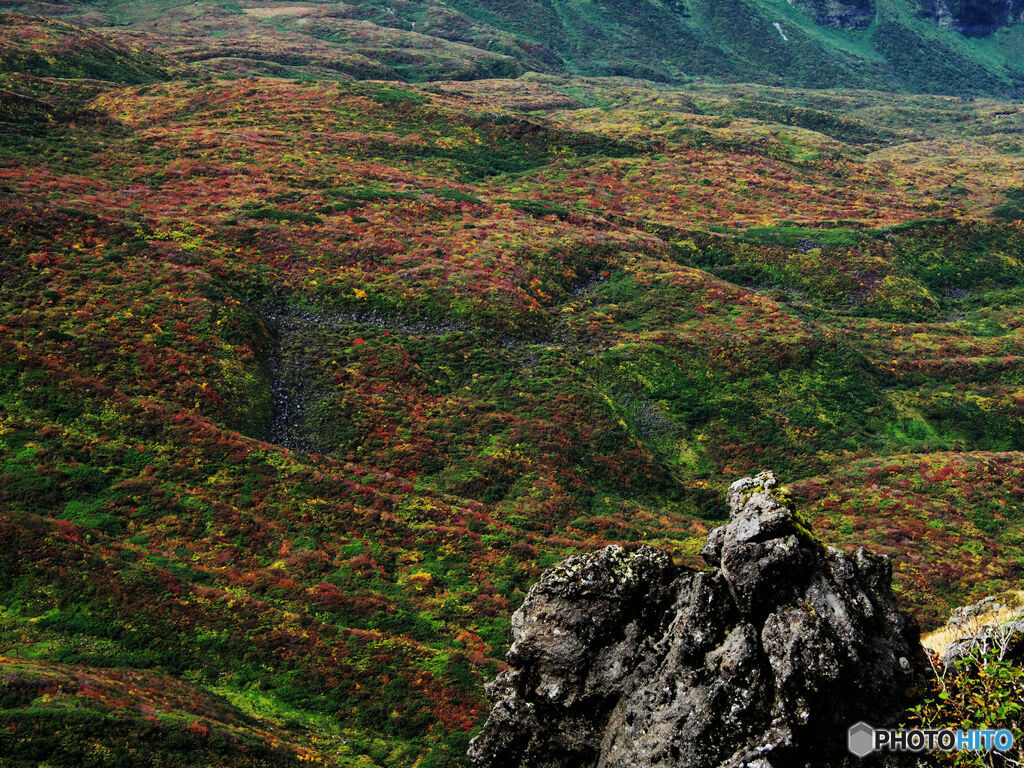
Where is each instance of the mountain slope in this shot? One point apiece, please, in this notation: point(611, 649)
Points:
point(304, 383)
point(935, 46)
point(304, 380)
point(43, 47)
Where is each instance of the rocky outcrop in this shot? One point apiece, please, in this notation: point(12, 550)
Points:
point(992, 626)
point(847, 14)
point(622, 660)
point(1004, 641)
point(974, 18)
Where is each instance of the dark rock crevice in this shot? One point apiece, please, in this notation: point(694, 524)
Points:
point(622, 660)
point(974, 18)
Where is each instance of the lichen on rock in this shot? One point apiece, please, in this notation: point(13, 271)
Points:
point(620, 659)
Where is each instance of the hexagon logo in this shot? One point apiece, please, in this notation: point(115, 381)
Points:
point(860, 739)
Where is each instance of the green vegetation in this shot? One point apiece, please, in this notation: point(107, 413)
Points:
point(304, 380)
point(981, 691)
point(894, 44)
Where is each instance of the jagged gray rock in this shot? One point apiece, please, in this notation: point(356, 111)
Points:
point(622, 660)
point(993, 625)
point(1005, 641)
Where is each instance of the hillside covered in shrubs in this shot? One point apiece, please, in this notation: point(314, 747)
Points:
point(305, 380)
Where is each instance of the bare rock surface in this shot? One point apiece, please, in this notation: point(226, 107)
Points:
point(991, 626)
point(856, 14)
point(974, 18)
point(620, 659)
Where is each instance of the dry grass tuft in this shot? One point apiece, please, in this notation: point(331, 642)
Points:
point(288, 9)
point(1010, 607)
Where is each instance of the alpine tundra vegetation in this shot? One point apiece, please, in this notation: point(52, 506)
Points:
point(327, 328)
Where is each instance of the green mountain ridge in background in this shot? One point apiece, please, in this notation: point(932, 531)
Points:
point(934, 46)
point(308, 373)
